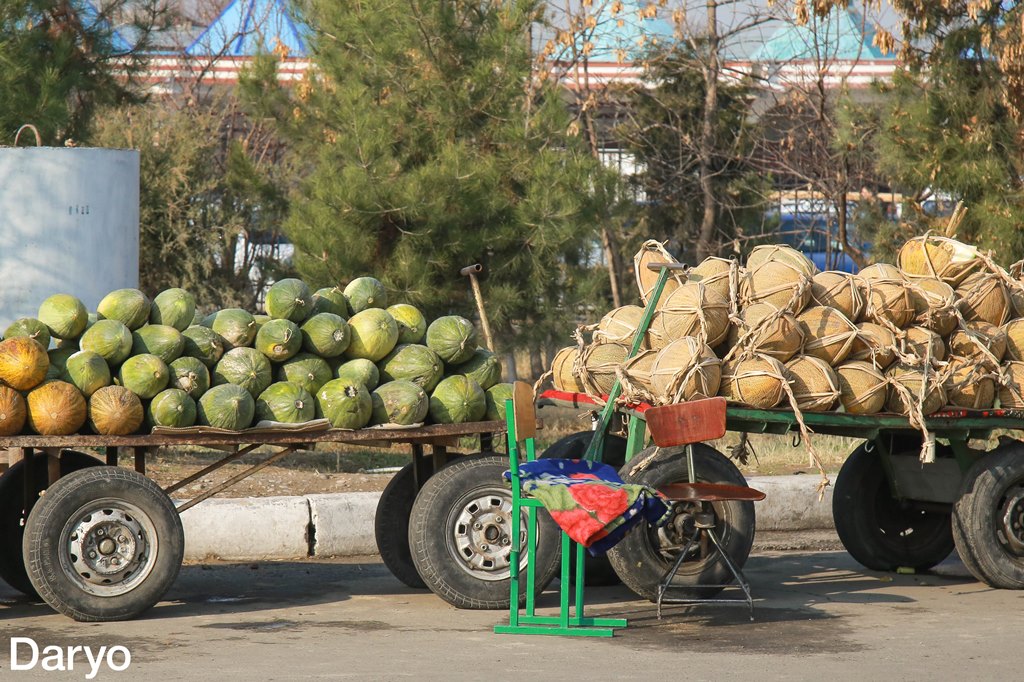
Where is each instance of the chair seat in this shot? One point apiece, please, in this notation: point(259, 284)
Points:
point(709, 492)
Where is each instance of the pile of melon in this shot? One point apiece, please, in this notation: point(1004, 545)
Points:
point(343, 355)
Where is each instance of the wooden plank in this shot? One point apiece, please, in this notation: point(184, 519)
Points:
point(419, 434)
point(524, 410)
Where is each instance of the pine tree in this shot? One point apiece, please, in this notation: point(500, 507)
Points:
point(61, 59)
point(429, 146)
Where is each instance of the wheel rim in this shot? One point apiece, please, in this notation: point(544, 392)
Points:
point(480, 534)
point(108, 547)
point(672, 538)
point(1011, 520)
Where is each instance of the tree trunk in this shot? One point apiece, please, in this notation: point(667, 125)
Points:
point(611, 258)
point(706, 238)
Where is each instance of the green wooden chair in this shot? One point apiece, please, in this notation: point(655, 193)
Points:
point(571, 620)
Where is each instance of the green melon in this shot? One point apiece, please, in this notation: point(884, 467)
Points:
point(330, 300)
point(110, 338)
point(87, 371)
point(190, 375)
point(245, 367)
point(453, 338)
point(496, 396)
point(260, 321)
point(172, 407)
point(399, 402)
point(75, 342)
point(359, 371)
point(197, 319)
point(30, 327)
point(307, 370)
point(144, 375)
point(412, 326)
point(161, 340)
point(204, 344)
point(58, 358)
point(483, 367)
point(64, 316)
point(285, 402)
point(235, 326)
point(226, 407)
point(326, 335)
point(374, 334)
point(173, 307)
point(128, 306)
point(279, 339)
point(363, 293)
point(414, 363)
point(457, 400)
point(345, 404)
point(289, 299)
point(115, 411)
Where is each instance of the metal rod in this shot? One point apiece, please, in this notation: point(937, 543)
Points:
point(210, 469)
point(235, 479)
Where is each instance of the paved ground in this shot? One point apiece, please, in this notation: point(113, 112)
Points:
point(818, 616)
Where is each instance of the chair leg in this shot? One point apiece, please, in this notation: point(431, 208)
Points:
point(737, 573)
point(666, 580)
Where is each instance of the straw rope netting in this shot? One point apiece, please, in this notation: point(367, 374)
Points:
point(979, 341)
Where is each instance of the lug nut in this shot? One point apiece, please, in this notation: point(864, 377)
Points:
point(92, 555)
point(484, 548)
point(499, 520)
point(478, 526)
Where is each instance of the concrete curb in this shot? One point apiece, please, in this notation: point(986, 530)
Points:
point(332, 525)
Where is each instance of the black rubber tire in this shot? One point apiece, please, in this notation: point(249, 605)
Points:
point(13, 514)
point(77, 498)
point(433, 526)
point(598, 570)
point(880, 532)
point(988, 518)
point(639, 558)
point(391, 527)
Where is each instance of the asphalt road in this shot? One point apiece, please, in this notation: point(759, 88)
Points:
point(818, 616)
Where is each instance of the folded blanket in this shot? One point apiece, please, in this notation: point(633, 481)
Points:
point(590, 501)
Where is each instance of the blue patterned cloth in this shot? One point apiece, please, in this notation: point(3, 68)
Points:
point(590, 501)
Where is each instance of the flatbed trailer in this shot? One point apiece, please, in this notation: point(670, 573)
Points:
point(891, 510)
point(98, 540)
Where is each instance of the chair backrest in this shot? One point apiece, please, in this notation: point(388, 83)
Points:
point(684, 423)
point(525, 410)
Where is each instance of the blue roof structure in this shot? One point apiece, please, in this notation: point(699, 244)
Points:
point(94, 22)
point(246, 28)
point(843, 34)
point(627, 35)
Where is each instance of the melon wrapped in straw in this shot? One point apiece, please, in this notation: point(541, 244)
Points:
point(780, 253)
point(933, 256)
point(685, 369)
point(983, 296)
point(691, 310)
point(562, 375)
point(887, 302)
point(935, 304)
point(597, 364)
point(769, 330)
point(979, 341)
point(839, 290)
point(874, 344)
point(923, 343)
point(620, 325)
point(828, 334)
point(783, 284)
point(1014, 332)
point(653, 251)
point(814, 383)
point(970, 384)
point(862, 388)
point(713, 272)
point(1011, 385)
point(757, 381)
point(927, 399)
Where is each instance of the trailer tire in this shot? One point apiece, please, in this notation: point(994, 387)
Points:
point(988, 518)
point(103, 544)
point(447, 549)
point(640, 560)
point(13, 516)
point(598, 570)
point(880, 532)
point(391, 527)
